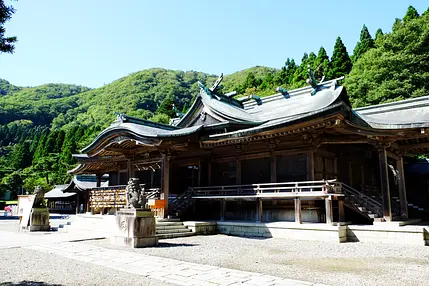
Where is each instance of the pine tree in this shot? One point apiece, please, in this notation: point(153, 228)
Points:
point(411, 14)
point(365, 43)
point(321, 64)
point(378, 34)
point(40, 148)
point(340, 61)
point(166, 107)
point(267, 82)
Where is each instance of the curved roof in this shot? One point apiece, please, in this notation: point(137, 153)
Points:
point(410, 113)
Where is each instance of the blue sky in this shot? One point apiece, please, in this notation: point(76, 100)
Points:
point(93, 42)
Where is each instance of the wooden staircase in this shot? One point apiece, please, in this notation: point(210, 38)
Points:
point(368, 206)
point(178, 205)
point(171, 228)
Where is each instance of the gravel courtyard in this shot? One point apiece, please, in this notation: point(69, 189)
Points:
point(317, 262)
point(320, 262)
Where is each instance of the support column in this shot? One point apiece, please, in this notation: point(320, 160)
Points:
point(209, 174)
point(273, 168)
point(384, 182)
point(77, 202)
point(99, 180)
point(165, 182)
point(310, 166)
point(259, 210)
point(130, 169)
point(238, 172)
point(298, 217)
point(328, 207)
point(222, 209)
point(341, 213)
point(402, 189)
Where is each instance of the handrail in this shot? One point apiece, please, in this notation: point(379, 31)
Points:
point(267, 184)
point(326, 186)
point(360, 194)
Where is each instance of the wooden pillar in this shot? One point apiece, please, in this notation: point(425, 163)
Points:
point(310, 166)
point(99, 180)
point(238, 172)
point(222, 209)
point(384, 182)
point(402, 189)
point(130, 169)
point(77, 202)
point(152, 175)
point(259, 210)
point(165, 182)
point(199, 173)
point(298, 217)
point(273, 168)
point(328, 208)
point(341, 213)
point(209, 173)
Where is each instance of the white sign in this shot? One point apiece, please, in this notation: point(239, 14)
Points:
point(25, 204)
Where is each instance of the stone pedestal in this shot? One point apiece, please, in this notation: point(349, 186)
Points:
point(134, 228)
point(39, 220)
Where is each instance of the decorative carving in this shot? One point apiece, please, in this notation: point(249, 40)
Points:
point(39, 199)
point(135, 195)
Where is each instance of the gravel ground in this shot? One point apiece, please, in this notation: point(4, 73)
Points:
point(28, 267)
point(328, 263)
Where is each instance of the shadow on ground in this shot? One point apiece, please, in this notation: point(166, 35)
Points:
point(28, 283)
point(167, 245)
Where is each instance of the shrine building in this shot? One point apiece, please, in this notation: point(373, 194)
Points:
point(302, 155)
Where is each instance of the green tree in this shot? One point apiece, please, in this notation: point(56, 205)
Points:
point(6, 43)
point(398, 68)
point(340, 61)
point(365, 44)
point(378, 35)
point(166, 107)
point(411, 14)
point(321, 64)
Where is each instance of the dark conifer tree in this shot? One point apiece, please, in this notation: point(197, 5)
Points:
point(365, 43)
point(340, 61)
point(411, 14)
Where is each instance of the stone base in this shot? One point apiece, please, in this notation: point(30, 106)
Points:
point(201, 227)
point(135, 228)
point(39, 220)
point(134, 242)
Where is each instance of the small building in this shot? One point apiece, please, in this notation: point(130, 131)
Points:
point(299, 155)
point(72, 198)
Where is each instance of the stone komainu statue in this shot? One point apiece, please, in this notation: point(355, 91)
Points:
point(39, 199)
point(135, 194)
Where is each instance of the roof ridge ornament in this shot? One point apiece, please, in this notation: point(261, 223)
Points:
point(120, 116)
point(178, 113)
point(312, 80)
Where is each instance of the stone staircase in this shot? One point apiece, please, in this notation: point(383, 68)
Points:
point(365, 205)
point(171, 228)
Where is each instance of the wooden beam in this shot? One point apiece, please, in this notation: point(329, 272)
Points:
point(273, 169)
point(384, 181)
point(298, 216)
point(222, 209)
point(238, 172)
point(402, 190)
point(341, 213)
point(259, 210)
point(328, 208)
point(310, 165)
point(165, 181)
point(209, 173)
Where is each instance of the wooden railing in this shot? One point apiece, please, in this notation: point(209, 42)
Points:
point(287, 188)
point(361, 199)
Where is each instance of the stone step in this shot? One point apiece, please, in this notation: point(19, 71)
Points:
point(374, 216)
point(174, 235)
point(170, 226)
point(167, 220)
point(166, 224)
point(177, 230)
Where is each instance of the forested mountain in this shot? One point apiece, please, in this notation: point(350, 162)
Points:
point(40, 127)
